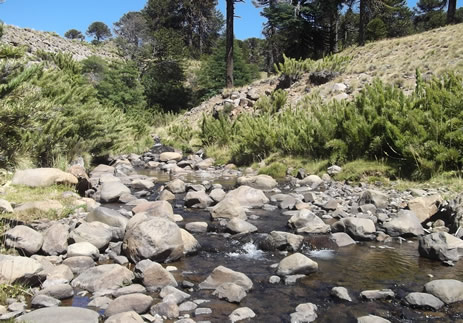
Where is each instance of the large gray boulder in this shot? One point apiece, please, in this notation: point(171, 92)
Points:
point(248, 197)
point(233, 293)
point(55, 239)
point(198, 200)
point(441, 246)
point(372, 319)
point(139, 303)
point(44, 301)
point(307, 222)
point(306, 312)
point(58, 291)
point(447, 290)
point(110, 192)
point(404, 223)
point(228, 208)
point(379, 199)
point(190, 244)
point(313, 181)
point(40, 207)
point(64, 314)
point(423, 300)
point(342, 239)
point(24, 239)
point(221, 275)
point(177, 186)
point(79, 264)
point(156, 208)
point(103, 277)
point(41, 177)
point(425, 207)
point(296, 264)
point(280, 240)
point(153, 276)
point(83, 249)
point(97, 233)
point(237, 225)
point(157, 239)
point(261, 182)
point(114, 219)
point(241, 314)
point(126, 317)
point(357, 228)
point(19, 269)
point(166, 156)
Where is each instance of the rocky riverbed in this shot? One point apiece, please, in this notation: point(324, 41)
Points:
point(171, 238)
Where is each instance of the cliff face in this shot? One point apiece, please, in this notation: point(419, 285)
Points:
point(50, 42)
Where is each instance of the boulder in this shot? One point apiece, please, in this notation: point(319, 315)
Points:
point(341, 293)
point(41, 207)
point(221, 275)
point(296, 264)
point(172, 294)
point(425, 207)
point(342, 239)
point(198, 200)
point(237, 225)
point(312, 181)
point(231, 292)
point(153, 276)
point(82, 249)
point(377, 294)
point(217, 195)
point(447, 290)
point(60, 274)
point(280, 240)
point(261, 182)
point(190, 244)
point(97, 233)
point(357, 228)
point(424, 300)
point(103, 277)
point(441, 246)
point(166, 196)
point(19, 269)
point(228, 208)
point(59, 291)
point(197, 227)
point(24, 239)
point(110, 192)
point(65, 314)
point(177, 186)
point(307, 222)
point(142, 184)
point(79, 264)
point(41, 177)
point(114, 219)
point(304, 313)
point(44, 301)
point(241, 314)
point(157, 239)
point(131, 289)
point(248, 197)
point(166, 309)
point(55, 239)
point(379, 199)
point(166, 156)
point(156, 208)
point(139, 303)
point(372, 319)
point(126, 317)
point(5, 207)
point(404, 223)
point(102, 169)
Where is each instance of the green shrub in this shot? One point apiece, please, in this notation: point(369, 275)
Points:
point(276, 170)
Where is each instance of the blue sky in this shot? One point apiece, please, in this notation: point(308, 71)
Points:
point(62, 15)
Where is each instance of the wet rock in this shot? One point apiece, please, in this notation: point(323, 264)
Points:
point(228, 208)
point(156, 208)
point(357, 228)
point(19, 269)
point(110, 192)
point(5, 207)
point(177, 186)
point(103, 277)
point(166, 196)
point(153, 276)
point(261, 182)
point(101, 302)
point(132, 289)
point(447, 290)
point(166, 156)
point(55, 239)
point(274, 279)
point(423, 300)
point(198, 200)
point(231, 292)
point(78, 264)
point(312, 181)
point(404, 223)
point(172, 294)
point(279, 240)
point(190, 244)
point(157, 238)
point(139, 303)
point(441, 246)
point(41, 177)
point(341, 293)
point(377, 294)
point(237, 225)
point(217, 195)
point(425, 207)
point(307, 222)
point(288, 203)
point(248, 197)
point(242, 313)
point(221, 275)
point(142, 184)
point(83, 249)
point(296, 264)
point(65, 314)
point(304, 313)
point(109, 217)
point(24, 239)
point(59, 291)
point(187, 306)
point(167, 309)
point(379, 199)
point(44, 301)
point(372, 319)
point(97, 233)
point(126, 317)
point(197, 227)
point(342, 239)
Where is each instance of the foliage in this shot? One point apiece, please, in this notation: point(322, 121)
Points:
point(13, 291)
point(99, 30)
point(276, 170)
point(74, 34)
point(376, 29)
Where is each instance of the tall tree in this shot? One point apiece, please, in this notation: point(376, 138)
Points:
point(74, 34)
point(452, 9)
point(429, 14)
point(99, 30)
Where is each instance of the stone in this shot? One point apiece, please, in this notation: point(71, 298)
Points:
point(59, 291)
point(274, 279)
point(110, 276)
point(156, 208)
point(288, 203)
point(296, 264)
point(166, 196)
point(404, 223)
point(44, 301)
point(190, 244)
point(341, 293)
point(110, 192)
point(131, 289)
point(248, 197)
point(187, 306)
point(19, 269)
point(372, 319)
point(312, 181)
point(167, 309)
point(377, 294)
point(221, 275)
point(97, 233)
point(177, 186)
point(157, 238)
point(279, 240)
point(261, 182)
point(333, 170)
point(205, 164)
point(197, 227)
point(110, 217)
point(82, 249)
point(198, 200)
point(78, 264)
point(217, 195)
point(41, 177)
point(447, 290)
point(5, 207)
point(172, 294)
point(357, 228)
point(60, 274)
point(125, 317)
point(304, 313)
point(242, 313)
point(238, 225)
point(441, 246)
point(65, 314)
point(424, 300)
point(55, 239)
point(142, 184)
point(379, 199)
point(24, 239)
point(228, 208)
point(425, 207)
point(307, 222)
point(153, 276)
point(166, 156)
point(100, 302)
point(202, 311)
point(139, 303)
point(342, 239)
point(231, 292)
point(41, 207)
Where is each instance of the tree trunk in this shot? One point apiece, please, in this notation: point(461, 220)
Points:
point(229, 50)
point(451, 11)
point(363, 19)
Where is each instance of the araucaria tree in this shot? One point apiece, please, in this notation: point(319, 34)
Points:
point(74, 34)
point(229, 41)
point(99, 30)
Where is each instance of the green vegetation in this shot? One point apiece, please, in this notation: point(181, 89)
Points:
point(13, 291)
point(99, 30)
point(74, 34)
